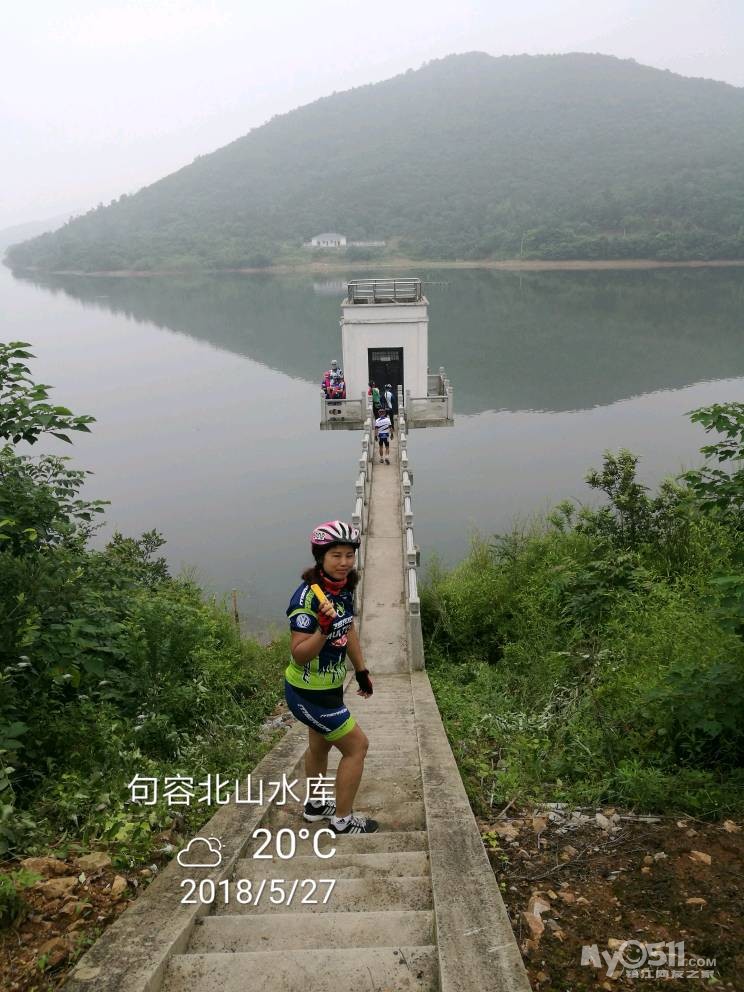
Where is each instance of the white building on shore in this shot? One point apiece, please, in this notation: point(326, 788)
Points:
point(330, 239)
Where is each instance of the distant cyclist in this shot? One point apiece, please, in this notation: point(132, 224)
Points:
point(383, 427)
point(322, 633)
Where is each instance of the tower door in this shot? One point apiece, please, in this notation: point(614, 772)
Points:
point(386, 365)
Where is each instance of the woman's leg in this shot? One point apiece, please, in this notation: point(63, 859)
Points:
point(316, 756)
point(353, 747)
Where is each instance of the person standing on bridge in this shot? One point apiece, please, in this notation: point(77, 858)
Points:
point(321, 621)
point(383, 427)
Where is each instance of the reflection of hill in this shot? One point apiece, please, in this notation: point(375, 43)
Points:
point(277, 321)
point(570, 340)
point(549, 341)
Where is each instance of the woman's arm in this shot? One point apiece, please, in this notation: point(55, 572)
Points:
point(354, 649)
point(306, 646)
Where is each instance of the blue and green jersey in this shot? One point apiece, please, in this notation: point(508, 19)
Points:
point(328, 669)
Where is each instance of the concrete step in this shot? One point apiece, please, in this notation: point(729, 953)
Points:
point(382, 772)
point(289, 931)
point(391, 816)
point(380, 842)
point(392, 969)
point(341, 865)
point(346, 895)
point(382, 792)
point(387, 756)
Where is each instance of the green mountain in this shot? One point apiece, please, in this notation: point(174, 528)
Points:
point(471, 156)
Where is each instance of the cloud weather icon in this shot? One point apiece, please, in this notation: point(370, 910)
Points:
point(209, 858)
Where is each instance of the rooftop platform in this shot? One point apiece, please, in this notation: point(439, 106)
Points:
point(384, 291)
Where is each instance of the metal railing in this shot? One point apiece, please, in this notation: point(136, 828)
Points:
point(360, 516)
point(384, 291)
point(411, 553)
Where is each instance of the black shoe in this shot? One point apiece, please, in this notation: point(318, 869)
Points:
point(321, 811)
point(356, 825)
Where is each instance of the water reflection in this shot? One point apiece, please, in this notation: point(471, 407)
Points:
point(553, 341)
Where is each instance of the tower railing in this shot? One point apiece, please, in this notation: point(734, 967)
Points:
point(406, 290)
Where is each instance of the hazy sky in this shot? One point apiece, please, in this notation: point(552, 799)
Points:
point(100, 98)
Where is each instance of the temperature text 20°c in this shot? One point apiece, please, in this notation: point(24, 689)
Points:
point(285, 843)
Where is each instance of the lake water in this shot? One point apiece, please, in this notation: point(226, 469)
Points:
point(206, 395)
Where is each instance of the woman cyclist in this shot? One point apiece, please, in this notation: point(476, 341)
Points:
point(322, 632)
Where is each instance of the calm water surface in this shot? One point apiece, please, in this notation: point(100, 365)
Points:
point(206, 398)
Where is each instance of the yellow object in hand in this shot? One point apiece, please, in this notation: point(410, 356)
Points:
point(321, 595)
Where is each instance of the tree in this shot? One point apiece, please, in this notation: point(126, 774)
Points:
point(24, 413)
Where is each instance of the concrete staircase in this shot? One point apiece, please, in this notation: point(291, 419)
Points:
point(414, 907)
point(376, 931)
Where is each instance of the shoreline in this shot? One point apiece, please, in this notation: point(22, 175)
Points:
point(504, 265)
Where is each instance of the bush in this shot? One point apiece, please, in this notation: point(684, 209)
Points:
point(599, 656)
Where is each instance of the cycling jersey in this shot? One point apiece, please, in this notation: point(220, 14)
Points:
point(328, 669)
point(383, 426)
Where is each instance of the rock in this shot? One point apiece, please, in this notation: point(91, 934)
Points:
point(552, 925)
point(57, 949)
point(534, 924)
point(118, 887)
point(51, 907)
point(58, 888)
point(538, 904)
point(701, 857)
point(552, 895)
point(506, 831)
point(46, 867)
point(567, 897)
point(730, 827)
point(559, 935)
point(648, 860)
point(615, 945)
point(681, 824)
point(94, 861)
point(529, 946)
point(539, 823)
point(696, 901)
point(692, 833)
point(542, 977)
point(645, 870)
point(581, 900)
point(602, 821)
point(145, 872)
point(568, 853)
point(660, 856)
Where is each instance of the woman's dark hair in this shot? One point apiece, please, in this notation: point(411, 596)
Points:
point(314, 574)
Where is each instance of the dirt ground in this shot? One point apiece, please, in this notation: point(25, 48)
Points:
point(572, 879)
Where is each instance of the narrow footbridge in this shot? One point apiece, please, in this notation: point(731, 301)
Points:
point(414, 906)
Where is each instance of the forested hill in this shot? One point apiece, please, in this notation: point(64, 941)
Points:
point(471, 156)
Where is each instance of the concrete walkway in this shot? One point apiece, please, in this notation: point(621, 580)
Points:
point(414, 907)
